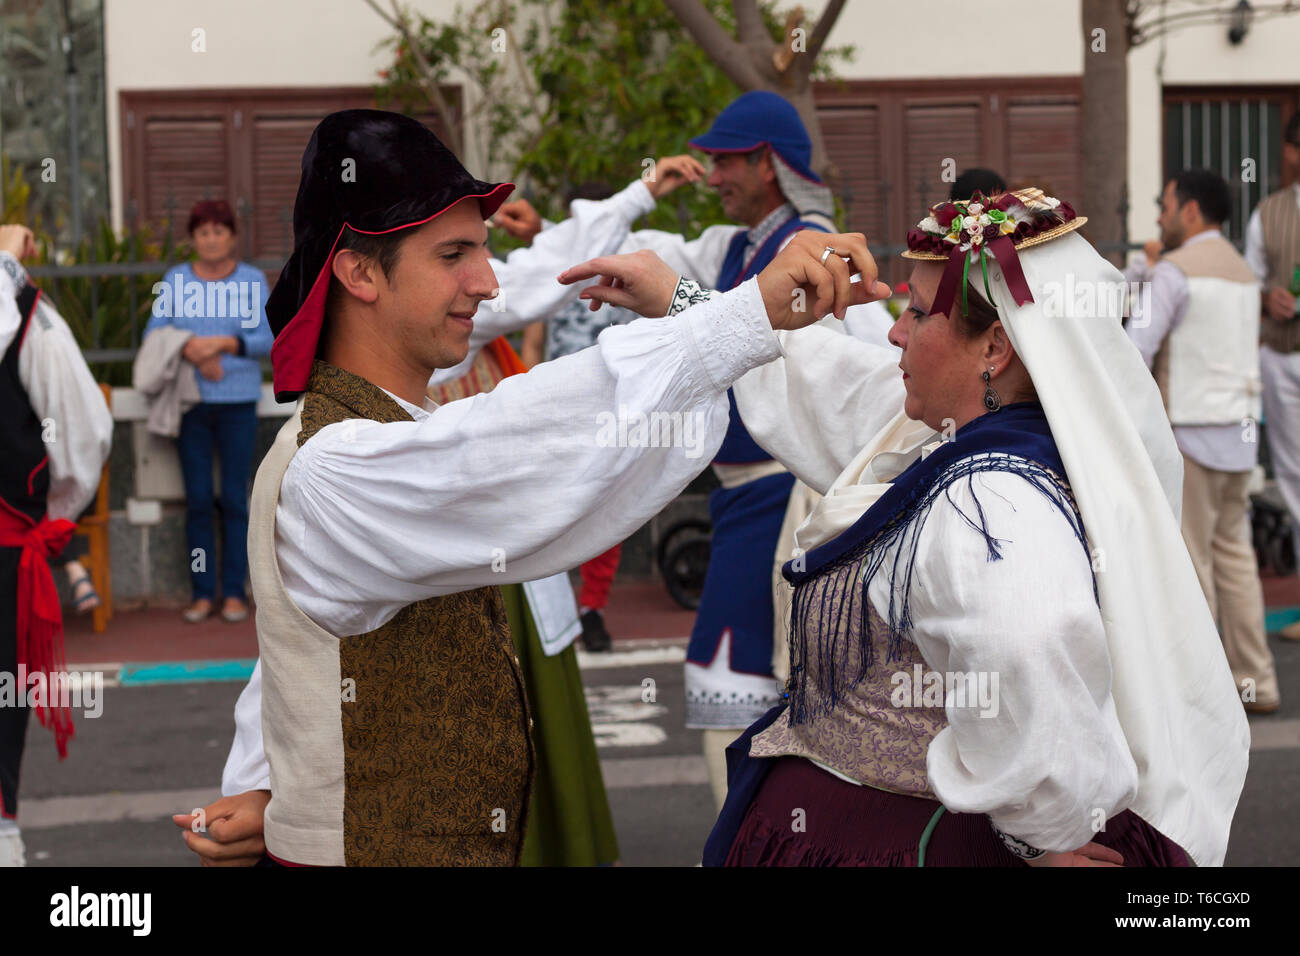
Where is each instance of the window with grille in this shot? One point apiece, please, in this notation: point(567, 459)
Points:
point(1235, 132)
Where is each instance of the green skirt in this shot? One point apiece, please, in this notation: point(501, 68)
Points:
point(569, 822)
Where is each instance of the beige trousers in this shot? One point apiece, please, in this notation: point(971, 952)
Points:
point(1217, 532)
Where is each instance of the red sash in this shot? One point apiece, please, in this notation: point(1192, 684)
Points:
point(40, 620)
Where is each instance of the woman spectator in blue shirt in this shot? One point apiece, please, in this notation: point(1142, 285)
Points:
point(222, 300)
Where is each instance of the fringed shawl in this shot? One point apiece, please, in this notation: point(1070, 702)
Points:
point(831, 581)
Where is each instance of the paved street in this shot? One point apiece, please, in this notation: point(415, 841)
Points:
point(159, 749)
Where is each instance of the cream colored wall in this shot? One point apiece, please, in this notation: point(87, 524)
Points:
point(906, 39)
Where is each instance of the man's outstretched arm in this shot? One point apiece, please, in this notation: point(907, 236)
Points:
point(548, 469)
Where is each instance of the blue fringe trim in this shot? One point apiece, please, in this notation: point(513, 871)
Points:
point(829, 617)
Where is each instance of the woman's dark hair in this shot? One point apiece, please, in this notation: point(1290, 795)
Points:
point(979, 318)
point(211, 210)
point(980, 314)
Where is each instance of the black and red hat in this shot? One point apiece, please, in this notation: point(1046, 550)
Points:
point(372, 172)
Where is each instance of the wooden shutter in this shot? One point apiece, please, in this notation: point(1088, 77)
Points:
point(186, 159)
point(1043, 147)
point(939, 137)
point(852, 137)
point(244, 146)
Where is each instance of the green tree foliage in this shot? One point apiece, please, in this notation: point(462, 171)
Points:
point(578, 92)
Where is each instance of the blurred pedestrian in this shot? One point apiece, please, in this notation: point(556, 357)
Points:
point(1201, 341)
point(222, 301)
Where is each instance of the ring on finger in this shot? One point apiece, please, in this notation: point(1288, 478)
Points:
point(830, 251)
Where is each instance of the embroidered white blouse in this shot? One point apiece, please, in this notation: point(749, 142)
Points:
point(1051, 763)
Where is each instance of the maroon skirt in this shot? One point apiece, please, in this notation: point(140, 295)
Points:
point(804, 816)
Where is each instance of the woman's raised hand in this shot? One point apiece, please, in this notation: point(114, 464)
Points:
point(639, 281)
point(803, 284)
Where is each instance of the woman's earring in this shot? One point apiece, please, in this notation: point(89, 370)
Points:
point(992, 401)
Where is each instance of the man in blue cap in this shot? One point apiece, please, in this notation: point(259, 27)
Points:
point(761, 154)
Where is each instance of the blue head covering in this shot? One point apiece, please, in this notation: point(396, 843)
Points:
point(760, 118)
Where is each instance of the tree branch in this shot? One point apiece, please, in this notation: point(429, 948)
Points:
point(1157, 26)
point(749, 22)
point(732, 58)
point(823, 29)
point(400, 22)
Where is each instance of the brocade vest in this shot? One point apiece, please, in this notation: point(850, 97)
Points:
point(406, 745)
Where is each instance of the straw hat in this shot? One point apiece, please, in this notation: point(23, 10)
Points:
point(1034, 218)
point(983, 228)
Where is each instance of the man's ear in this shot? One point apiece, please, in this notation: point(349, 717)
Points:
point(356, 274)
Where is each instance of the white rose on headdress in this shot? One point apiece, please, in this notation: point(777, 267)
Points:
point(975, 208)
point(929, 224)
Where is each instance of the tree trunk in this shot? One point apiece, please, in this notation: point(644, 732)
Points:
point(1105, 122)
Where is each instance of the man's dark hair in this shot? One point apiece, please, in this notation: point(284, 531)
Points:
point(975, 180)
point(384, 248)
point(1208, 189)
point(1291, 132)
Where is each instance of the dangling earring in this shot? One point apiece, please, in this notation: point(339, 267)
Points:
point(992, 401)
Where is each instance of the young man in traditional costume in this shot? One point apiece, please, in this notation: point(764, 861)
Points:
point(393, 711)
point(55, 432)
point(1201, 340)
point(568, 799)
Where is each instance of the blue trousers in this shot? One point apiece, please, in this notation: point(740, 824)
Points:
point(229, 430)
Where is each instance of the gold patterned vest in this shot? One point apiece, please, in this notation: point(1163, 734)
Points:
point(407, 745)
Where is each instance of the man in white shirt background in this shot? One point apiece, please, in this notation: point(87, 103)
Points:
point(1201, 343)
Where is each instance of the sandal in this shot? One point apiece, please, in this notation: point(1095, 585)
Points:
point(88, 601)
point(234, 615)
point(200, 610)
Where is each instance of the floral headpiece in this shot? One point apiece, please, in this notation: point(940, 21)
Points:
point(967, 230)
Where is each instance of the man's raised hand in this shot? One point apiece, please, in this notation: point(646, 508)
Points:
point(519, 219)
point(18, 241)
point(671, 172)
point(639, 281)
point(803, 283)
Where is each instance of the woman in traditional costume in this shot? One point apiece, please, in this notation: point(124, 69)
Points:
point(999, 650)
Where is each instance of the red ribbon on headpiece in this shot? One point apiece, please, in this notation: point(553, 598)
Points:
point(40, 620)
point(1004, 250)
